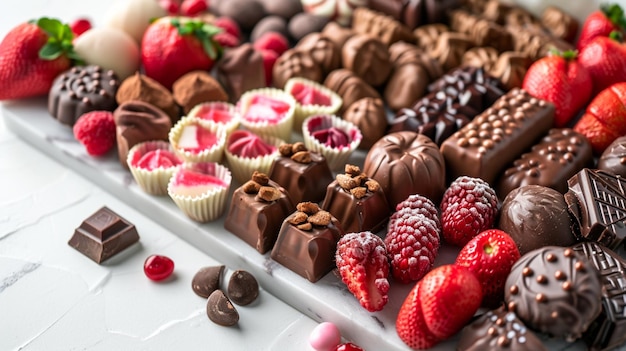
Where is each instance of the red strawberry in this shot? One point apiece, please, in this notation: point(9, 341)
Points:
point(80, 26)
point(226, 40)
point(32, 55)
point(362, 262)
point(173, 46)
point(490, 256)
point(171, 6)
point(96, 130)
point(562, 80)
point(605, 118)
point(605, 59)
point(410, 324)
point(193, 7)
point(228, 25)
point(272, 41)
point(269, 59)
point(601, 23)
point(469, 206)
point(449, 295)
point(347, 347)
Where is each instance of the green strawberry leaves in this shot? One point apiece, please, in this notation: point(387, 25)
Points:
point(615, 14)
point(59, 42)
point(203, 31)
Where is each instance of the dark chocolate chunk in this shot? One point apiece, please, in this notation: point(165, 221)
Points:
point(103, 235)
point(368, 58)
point(555, 290)
point(220, 310)
point(495, 138)
point(597, 200)
point(207, 280)
point(483, 89)
point(608, 331)
point(551, 162)
point(241, 69)
point(613, 159)
point(536, 216)
point(243, 288)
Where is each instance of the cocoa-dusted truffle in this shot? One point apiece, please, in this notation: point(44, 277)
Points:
point(536, 216)
point(305, 23)
point(613, 159)
point(368, 58)
point(137, 121)
point(369, 115)
point(241, 69)
point(323, 50)
point(197, 87)
point(349, 86)
point(80, 90)
point(143, 88)
point(296, 63)
point(407, 163)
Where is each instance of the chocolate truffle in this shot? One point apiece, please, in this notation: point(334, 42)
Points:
point(241, 69)
point(499, 330)
point(536, 43)
point(296, 63)
point(197, 87)
point(80, 90)
point(378, 25)
point(357, 201)
point(283, 8)
point(536, 216)
point(269, 24)
point(337, 34)
point(247, 13)
point(137, 121)
point(406, 163)
point(350, 87)
point(369, 115)
point(608, 331)
point(323, 50)
point(368, 58)
point(613, 159)
point(143, 88)
point(307, 242)
point(305, 23)
point(303, 173)
point(257, 211)
point(103, 235)
point(554, 290)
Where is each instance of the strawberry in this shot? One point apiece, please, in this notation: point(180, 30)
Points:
point(173, 46)
point(605, 59)
point(362, 262)
point(562, 80)
point(32, 55)
point(468, 207)
point(602, 22)
point(96, 130)
point(605, 118)
point(80, 26)
point(490, 256)
point(410, 324)
point(272, 41)
point(449, 295)
point(226, 40)
point(193, 7)
point(269, 59)
point(229, 26)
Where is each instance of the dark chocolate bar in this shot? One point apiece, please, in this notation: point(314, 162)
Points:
point(495, 138)
point(597, 201)
point(103, 235)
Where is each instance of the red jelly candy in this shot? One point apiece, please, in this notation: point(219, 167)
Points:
point(158, 267)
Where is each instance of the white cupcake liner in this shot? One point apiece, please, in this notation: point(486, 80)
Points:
point(153, 182)
point(213, 154)
point(282, 129)
point(208, 206)
point(302, 112)
point(221, 105)
point(243, 167)
point(336, 157)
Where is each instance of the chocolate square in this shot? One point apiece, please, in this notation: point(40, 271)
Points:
point(303, 181)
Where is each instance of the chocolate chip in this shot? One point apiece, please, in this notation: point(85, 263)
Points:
point(207, 280)
point(242, 288)
point(220, 310)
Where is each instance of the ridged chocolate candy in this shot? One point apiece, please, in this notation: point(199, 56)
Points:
point(241, 69)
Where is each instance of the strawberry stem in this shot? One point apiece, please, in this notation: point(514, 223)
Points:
point(615, 14)
point(568, 55)
point(617, 36)
point(203, 31)
point(59, 42)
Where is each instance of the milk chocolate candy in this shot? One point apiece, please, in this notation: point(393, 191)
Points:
point(450, 48)
point(426, 36)
point(415, 13)
point(247, 13)
point(402, 53)
point(481, 57)
point(510, 69)
point(304, 23)
point(283, 8)
point(337, 34)
point(103, 235)
point(368, 58)
point(481, 31)
point(269, 24)
point(143, 88)
point(597, 201)
point(323, 50)
point(551, 162)
point(613, 159)
point(608, 331)
point(369, 115)
point(241, 69)
point(496, 137)
point(536, 43)
point(376, 24)
point(555, 290)
point(408, 79)
point(197, 87)
point(296, 63)
point(560, 24)
point(350, 87)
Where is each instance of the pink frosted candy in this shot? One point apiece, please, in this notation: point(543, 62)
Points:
point(154, 159)
point(246, 144)
point(266, 109)
point(325, 337)
point(307, 95)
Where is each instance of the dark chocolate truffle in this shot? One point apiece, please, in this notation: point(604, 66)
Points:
point(305, 23)
point(407, 163)
point(368, 58)
point(555, 290)
point(80, 90)
point(296, 63)
point(536, 216)
point(197, 87)
point(613, 159)
point(247, 13)
point(283, 8)
point(143, 88)
point(369, 115)
point(241, 69)
point(269, 24)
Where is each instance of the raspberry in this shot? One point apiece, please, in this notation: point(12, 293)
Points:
point(229, 26)
point(413, 205)
point(362, 262)
point(226, 40)
point(412, 245)
point(469, 206)
point(272, 41)
point(80, 26)
point(96, 130)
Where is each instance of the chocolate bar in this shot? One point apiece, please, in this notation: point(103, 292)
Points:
point(555, 159)
point(597, 201)
point(496, 137)
point(103, 235)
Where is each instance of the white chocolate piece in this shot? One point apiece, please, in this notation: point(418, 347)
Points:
point(109, 48)
point(133, 16)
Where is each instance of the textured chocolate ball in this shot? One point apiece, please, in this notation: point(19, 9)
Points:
point(269, 24)
point(369, 115)
point(305, 23)
point(247, 13)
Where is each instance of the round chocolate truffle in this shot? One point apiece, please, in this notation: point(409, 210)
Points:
point(80, 90)
point(305, 23)
point(143, 88)
point(323, 50)
point(296, 63)
point(282, 8)
point(197, 87)
point(368, 58)
point(536, 216)
point(247, 13)
point(555, 290)
point(369, 115)
point(613, 159)
point(337, 34)
point(269, 24)
point(407, 163)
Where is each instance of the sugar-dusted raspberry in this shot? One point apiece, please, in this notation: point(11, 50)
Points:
point(96, 130)
point(413, 205)
point(412, 246)
point(469, 206)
